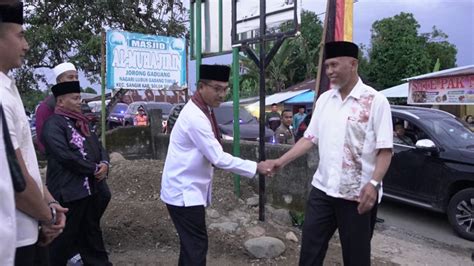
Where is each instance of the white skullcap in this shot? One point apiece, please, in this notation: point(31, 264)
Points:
point(63, 67)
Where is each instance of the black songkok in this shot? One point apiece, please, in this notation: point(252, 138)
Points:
point(65, 88)
point(11, 13)
point(340, 48)
point(214, 72)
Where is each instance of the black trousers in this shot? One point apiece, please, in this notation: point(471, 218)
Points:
point(190, 223)
point(32, 255)
point(101, 202)
point(80, 234)
point(325, 214)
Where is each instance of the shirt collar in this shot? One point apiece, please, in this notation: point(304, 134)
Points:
point(5, 80)
point(356, 92)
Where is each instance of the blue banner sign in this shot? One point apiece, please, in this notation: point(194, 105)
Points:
point(139, 61)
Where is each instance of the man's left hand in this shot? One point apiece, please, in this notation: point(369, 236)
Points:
point(367, 198)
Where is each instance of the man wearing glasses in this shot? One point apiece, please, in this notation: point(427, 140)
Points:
point(193, 152)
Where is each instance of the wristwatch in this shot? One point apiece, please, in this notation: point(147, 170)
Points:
point(375, 183)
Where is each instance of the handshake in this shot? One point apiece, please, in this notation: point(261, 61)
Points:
point(269, 167)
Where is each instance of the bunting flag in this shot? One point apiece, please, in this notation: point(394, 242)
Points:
point(338, 26)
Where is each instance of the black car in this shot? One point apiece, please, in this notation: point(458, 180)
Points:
point(249, 126)
point(131, 112)
point(437, 171)
point(116, 116)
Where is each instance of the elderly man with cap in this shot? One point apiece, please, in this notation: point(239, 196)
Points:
point(63, 72)
point(352, 127)
point(193, 152)
point(34, 204)
point(76, 164)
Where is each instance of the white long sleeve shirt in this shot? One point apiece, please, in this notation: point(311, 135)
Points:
point(7, 208)
point(192, 152)
point(20, 134)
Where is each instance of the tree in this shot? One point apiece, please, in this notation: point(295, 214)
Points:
point(398, 51)
point(59, 30)
point(439, 48)
point(89, 90)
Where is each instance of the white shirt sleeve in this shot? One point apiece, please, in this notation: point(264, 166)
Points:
point(383, 127)
point(202, 136)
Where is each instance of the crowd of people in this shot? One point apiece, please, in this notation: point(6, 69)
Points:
point(47, 224)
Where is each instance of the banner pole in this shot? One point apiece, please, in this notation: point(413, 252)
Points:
point(102, 74)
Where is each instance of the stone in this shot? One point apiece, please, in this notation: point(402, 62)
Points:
point(239, 217)
point(265, 247)
point(252, 202)
point(256, 231)
point(281, 217)
point(212, 213)
point(269, 208)
point(116, 157)
point(291, 236)
point(226, 227)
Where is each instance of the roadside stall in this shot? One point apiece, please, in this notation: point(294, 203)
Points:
point(451, 89)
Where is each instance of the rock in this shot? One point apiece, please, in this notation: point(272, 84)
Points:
point(252, 202)
point(256, 231)
point(239, 217)
point(265, 247)
point(226, 227)
point(291, 236)
point(281, 217)
point(116, 157)
point(212, 213)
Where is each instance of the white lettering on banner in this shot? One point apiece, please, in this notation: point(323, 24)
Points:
point(146, 60)
point(148, 44)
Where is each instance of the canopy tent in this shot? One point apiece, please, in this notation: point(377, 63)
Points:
point(469, 69)
point(278, 98)
point(274, 98)
point(303, 98)
point(399, 91)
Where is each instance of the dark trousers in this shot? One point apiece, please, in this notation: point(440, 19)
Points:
point(32, 255)
point(80, 234)
point(190, 223)
point(325, 214)
point(101, 202)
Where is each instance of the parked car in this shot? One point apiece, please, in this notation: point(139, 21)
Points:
point(116, 115)
point(173, 115)
point(437, 172)
point(133, 107)
point(249, 126)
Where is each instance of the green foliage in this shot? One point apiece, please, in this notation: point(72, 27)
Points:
point(31, 98)
point(89, 90)
point(398, 51)
point(59, 30)
point(297, 218)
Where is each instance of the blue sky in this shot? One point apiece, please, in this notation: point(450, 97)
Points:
point(453, 17)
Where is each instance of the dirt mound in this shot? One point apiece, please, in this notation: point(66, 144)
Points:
point(138, 230)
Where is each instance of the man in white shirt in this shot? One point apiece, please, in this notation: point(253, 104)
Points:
point(352, 126)
point(35, 204)
point(193, 152)
point(7, 204)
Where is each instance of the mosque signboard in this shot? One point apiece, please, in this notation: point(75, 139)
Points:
point(139, 61)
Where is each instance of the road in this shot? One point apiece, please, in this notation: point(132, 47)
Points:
point(422, 224)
